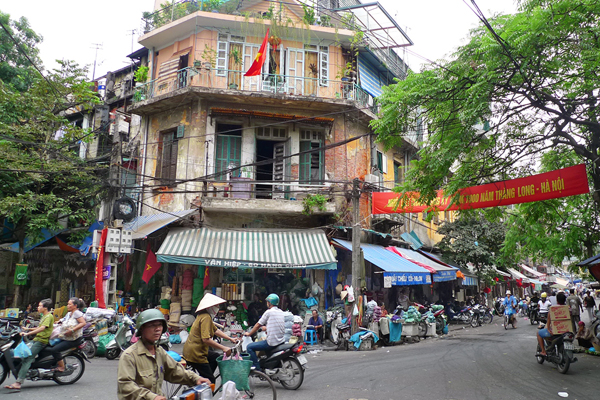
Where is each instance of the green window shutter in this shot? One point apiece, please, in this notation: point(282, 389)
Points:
point(305, 162)
point(229, 150)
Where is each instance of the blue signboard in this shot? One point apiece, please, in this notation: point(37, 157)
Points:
point(444, 276)
point(408, 278)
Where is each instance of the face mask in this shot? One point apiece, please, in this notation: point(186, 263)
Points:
point(212, 311)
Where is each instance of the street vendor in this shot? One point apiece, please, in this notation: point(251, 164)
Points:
point(317, 322)
point(197, 349)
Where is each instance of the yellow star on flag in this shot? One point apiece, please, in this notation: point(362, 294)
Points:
point(257, 56)
point(148, 267)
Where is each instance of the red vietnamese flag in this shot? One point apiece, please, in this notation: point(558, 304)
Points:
point(261, 56)
point(206, 277)
point(98, 281)
point(151, 267)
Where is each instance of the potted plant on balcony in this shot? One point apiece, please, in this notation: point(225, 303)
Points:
point(309, 15)
point(209, 56)
point(236, 59)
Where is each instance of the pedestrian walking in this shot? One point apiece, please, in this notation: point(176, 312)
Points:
point(590, 305)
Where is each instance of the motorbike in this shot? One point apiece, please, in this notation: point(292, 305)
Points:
point(594, 325)
point(482, 314)
point(465, 315)
point(532, 313)
point(542, 317)
point(90, 340)
point(498, 306)
point(43, 366)
point(559, 350)
point(332, 319)
point(344, 335)
point(285, 364)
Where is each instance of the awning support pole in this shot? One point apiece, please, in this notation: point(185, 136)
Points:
point(356, 253)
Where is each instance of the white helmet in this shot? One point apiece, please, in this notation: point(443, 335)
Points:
point(508, 292)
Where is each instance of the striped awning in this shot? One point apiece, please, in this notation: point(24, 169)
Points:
point(144, 225)
point(266, 248)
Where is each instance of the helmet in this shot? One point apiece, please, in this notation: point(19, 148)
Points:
point(507, 292)
point(273, 299)
point(148, 316)
point(544, 295)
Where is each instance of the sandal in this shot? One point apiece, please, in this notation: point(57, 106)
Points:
point(12, 387)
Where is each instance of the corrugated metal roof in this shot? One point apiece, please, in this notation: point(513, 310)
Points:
point(144, 225)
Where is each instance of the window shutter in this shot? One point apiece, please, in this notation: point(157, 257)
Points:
point(166, 158)
point(384, 163)
point(180, 131)
point(324, 65)
point(222, 51)
point(305, 162)
point(173, 166)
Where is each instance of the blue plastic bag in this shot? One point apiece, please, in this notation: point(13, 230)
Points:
point(54, 342)
point(175, 339)
point(22, 351)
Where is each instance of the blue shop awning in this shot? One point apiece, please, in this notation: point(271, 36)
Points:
point(398, 269)
point(28, 245)
point(251, 248)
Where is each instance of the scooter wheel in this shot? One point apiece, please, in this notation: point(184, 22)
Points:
point(111, 354)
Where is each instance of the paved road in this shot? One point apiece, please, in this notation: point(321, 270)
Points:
point(483, 363)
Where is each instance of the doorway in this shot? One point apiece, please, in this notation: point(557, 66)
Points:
point(264, 151)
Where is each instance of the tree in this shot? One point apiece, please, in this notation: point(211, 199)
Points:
point(553, 230)
point(16, 70)
point(534, 76)
point(43, 180)
point(473, 238)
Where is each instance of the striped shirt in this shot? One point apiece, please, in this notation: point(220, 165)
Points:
point(274, 320)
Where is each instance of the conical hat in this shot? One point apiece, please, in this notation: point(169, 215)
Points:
point(208, 301)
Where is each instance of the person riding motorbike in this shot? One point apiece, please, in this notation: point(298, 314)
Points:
point(546, 332)
point(510, 305)
point(42, 332)
point(534, 299)
point(273, 319)
point(196, 350)
point(144, 365)
point(544, 303)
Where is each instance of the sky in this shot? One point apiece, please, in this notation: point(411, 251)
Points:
point(72, 29)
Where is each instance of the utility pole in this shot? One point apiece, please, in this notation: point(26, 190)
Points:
point(131, 32)
point(96, 46)
point(356, 251)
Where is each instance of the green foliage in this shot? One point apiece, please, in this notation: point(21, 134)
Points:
point(552, 230)
point(325, 20)
point(309, 15)
point(312, 201)
point(537, 85)
point(15, 70)
point(473, 238)
point(209, 55)
point(43, 180)
point(141, 74)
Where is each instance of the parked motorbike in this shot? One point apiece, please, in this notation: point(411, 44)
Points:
point(465, 316)
point(594, 325)
point(285, 364)
point(498, 306)
point(332, 319)
point(90, 340)
point(43, 365)
point(559, 350)
point(344, 335)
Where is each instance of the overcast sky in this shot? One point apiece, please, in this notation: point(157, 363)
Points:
point(72, 28)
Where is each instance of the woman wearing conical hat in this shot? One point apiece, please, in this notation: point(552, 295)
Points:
point(197, 349)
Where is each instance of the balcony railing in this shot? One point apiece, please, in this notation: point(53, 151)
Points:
point(265, 83)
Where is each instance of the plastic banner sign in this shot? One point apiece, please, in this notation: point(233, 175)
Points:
point(564, 182)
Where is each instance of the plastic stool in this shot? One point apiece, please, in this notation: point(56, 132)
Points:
point(310, 337)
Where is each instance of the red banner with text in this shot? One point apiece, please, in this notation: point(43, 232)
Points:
point(564, 182)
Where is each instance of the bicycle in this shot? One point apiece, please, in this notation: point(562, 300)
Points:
point(261, 386)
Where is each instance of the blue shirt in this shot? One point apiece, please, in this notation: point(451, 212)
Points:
point(318, 322)
point(509, 303)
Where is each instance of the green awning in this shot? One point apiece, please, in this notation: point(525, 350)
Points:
point(306, 248)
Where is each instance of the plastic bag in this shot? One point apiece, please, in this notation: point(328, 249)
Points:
point(246, 340)
point(184, 336)
point(22, 351)
point(175, 339)
point(355, 311)
point(350, 294)
point(55, 332)
point(229, 391)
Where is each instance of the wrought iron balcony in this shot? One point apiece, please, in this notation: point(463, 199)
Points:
point(234, 81)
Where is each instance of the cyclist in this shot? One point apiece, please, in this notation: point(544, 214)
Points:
point(273, 319)
point(144, 365)
point(196, 349)
point(510, 305)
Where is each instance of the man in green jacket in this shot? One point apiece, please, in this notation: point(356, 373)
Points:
point(42, 332)
point(144, 366)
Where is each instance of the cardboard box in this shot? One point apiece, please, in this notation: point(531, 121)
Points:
point(559, 312)
point(560, 327)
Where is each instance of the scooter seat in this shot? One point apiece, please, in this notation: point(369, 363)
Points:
point(281, 347)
